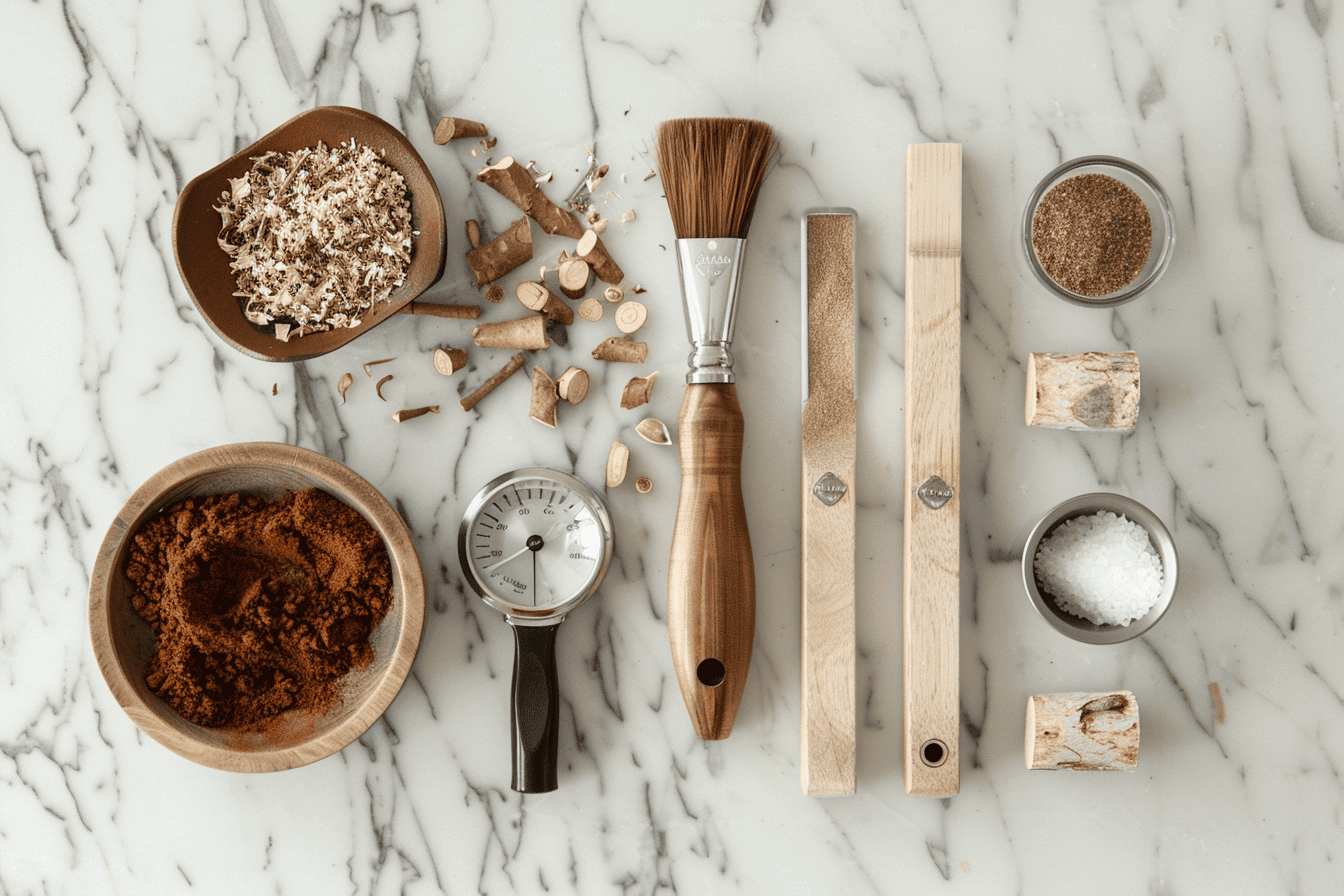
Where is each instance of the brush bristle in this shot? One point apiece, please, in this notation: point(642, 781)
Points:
point(712, 171)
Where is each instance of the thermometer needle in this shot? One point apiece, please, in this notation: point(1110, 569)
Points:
point(555, 530)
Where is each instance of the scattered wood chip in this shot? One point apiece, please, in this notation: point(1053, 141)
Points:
point(449, 361)
point(651, 175)
point(630, 316)
point(412, 413)
point(525, 333)
point(1215, 692)
point(541, 274)
point(638, 290)
point(489, 144)
point(282, 332)
point(591, 309)
point(456, 312)
point(345, 382)
point(536, 297)
point(638, 390)
point(574, 275)
point(473, 233)
point(489, 385)
point(572, 385)
point(368, 364)
point(378, 388)
point(563, 257)
point(544, 398)
point(505, 252)
point(452, 128)
point(628, 217)
point(653, 430)
point(494, 293)
point(618, 458)
point(622, 350)
point(613, 294)
point(598, 222)
point(643, 485)
point(275, 388)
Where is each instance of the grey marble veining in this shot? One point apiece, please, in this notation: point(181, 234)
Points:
point(109, 373)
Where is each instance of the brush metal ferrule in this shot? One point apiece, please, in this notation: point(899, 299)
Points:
point(709, 276)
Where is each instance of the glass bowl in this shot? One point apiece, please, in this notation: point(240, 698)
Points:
point(1076, 627)
point(1159, 212)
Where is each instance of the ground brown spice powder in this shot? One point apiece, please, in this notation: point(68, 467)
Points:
point(1092, 234)
point(257, 607)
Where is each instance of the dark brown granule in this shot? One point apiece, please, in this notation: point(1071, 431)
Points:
point(1092, 234)
point(257, 607)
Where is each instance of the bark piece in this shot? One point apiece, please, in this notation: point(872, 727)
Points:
point(515, 183)
point(618, 459)
point(536, 297)
point(653, 430)
point(574, 274)
point(556, 331)
point(572, 385)
point(453, 128)
point(591, 250)
point(411, 413)
point(489, 385)
point(590, 309)
point(638, 390)
point(368, 364)
point(505, 252)
point(643, 485)
point(449, 361)
point(494, 293)
point(345, 383)
point(456, 312)
point(544, 398)
point(1092, 391)
point(378, 387)
point(525, 332)
point(622, 349)
point(1087, 732)
point(630, 316)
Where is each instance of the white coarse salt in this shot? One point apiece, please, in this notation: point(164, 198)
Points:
point(1100, 567)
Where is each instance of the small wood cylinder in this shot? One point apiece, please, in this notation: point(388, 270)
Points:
point(1092, 391)
point(1084, 732)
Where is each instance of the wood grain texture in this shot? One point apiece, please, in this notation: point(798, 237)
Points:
point(828, 713)
point(711, 579)
point(1088, 391)
point(1083, 732)
point(932, 448)
point(123, 642)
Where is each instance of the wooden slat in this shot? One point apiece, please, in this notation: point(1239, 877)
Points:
point(932, 448)
point(829, 435)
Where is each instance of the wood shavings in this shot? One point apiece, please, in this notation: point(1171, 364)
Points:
point(282, 332)
point(449, 361)
point(653, 430)
point(378, 388)
point(345, 382)
point(628, 217)
point(618, 459)
point(412, 413)
point(638, 391)
point(317, 236)
point(368, 364)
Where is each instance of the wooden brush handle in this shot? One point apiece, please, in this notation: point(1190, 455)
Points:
point(711, 580)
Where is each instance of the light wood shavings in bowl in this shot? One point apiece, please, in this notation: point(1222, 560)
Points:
point(316, 236)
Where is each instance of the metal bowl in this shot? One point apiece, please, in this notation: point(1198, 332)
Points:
point(1076, 627)
point(204, 266)
point(1159, 212)
point(123, 642)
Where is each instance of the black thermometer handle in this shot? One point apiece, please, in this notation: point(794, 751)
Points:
point(536, 708)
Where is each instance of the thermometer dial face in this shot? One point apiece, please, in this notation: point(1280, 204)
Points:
point(534, 543)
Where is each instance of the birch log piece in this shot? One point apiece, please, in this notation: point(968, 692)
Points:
point(1085, 732)
point(505, 252)
point(515, 183)
point(1092, 391)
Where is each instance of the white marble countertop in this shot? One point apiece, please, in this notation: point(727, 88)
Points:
point(109, 373)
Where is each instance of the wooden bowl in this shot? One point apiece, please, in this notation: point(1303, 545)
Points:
point(204, 266)
point(123, 642)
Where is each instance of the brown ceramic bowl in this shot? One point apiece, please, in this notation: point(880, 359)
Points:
point(123, 642)
point(204, 266)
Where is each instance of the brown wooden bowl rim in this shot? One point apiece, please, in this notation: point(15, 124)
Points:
point(434, 214)
point(355, 491)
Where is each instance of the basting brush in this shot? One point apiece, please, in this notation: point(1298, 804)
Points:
point(712, 170)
